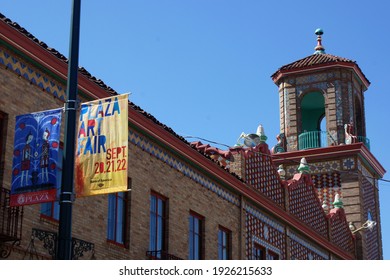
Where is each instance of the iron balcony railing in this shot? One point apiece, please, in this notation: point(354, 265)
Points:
point(321, 139)
point(364, 140)
point(161, 255)
point(10, 218)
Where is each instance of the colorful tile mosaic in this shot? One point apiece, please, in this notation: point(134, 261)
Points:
point(370, 212)
point(327, 185)
point(304, 204)
point(304, 88)
point(349, 163)
point(350, 103)
point(161, 154)
point(35, 77)
point(301, 249)
point(316, 167)
point(340, 234)
point(261, 174)
point(263, 230)
point(339, 104)
point(364, 171)
point(311, 78)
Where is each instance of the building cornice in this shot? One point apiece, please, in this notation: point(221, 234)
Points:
point(304, 70)
point(311, 155)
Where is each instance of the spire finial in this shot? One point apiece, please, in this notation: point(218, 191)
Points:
point(338, 203)
point(303, 166)
point(319, 49)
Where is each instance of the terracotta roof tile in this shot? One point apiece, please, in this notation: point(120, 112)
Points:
point(315, 60)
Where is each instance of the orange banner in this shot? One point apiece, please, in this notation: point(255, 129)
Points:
point(102, 146)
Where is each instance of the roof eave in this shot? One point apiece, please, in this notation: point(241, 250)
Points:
point(282, 73)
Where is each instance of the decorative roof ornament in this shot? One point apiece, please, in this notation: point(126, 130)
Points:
point(260, 132)
point(351, 226)
point(319, 49)
point(325, 205)
point(282, 172)
point(337, 201)
point(349, 137)
point(253, 139)
point(281, 146)
point(303, 167)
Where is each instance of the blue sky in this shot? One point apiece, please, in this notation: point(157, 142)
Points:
point(203, 67)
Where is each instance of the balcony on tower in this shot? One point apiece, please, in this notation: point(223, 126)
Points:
point(321, 139)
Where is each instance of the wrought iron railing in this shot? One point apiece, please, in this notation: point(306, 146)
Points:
point(10, 223)
point(364, 140)
point(161, 255)
point(50, 239)
point(9, 217)
point(321, 139)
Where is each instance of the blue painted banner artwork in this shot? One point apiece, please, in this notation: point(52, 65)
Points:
point(35, 158)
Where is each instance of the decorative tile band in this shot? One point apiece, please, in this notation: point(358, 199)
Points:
point(162, 155)
point(303, 88)
point(264, 218)
point(316, 167)
point(35, 77)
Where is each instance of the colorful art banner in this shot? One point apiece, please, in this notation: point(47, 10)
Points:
point(102, 143)
point(36, 158)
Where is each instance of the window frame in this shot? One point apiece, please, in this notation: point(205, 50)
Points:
point(122, 199)
point(271, 255)
point(196, 236)
point(224, 247)
point(256, 247)
point(158, 225)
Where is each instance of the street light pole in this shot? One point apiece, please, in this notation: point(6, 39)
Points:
point(64, 247)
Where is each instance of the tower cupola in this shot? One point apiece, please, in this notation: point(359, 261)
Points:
point(319, 95)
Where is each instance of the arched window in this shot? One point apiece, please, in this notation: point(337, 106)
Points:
point(313, 121)
point(312, 111)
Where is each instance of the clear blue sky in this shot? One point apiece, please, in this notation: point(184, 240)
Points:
point(203, 67)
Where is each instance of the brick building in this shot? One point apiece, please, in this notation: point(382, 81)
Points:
point(189, 200)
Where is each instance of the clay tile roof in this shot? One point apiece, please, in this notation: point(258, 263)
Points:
point(316, 60)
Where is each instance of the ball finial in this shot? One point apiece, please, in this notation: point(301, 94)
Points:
point(319, 31)
point(319, 49)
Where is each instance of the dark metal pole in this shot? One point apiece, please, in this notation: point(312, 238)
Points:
point(64, 248)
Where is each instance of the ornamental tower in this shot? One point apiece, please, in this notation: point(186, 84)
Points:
point(322, 118)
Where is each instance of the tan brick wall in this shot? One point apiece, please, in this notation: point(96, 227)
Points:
point(149, 173)
point(89, 219)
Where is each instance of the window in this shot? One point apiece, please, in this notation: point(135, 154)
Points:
point(196, 249)
point(259, 252)
point(272, 255)
point(224, 241)
point(117, 217)
point(51, 210)
point(158, 225)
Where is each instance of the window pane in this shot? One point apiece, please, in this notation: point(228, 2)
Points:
point(116, 217)
point(195, 238)
point(223, 246)
point(119, 219)
point(111, 217)
point(157, 225)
